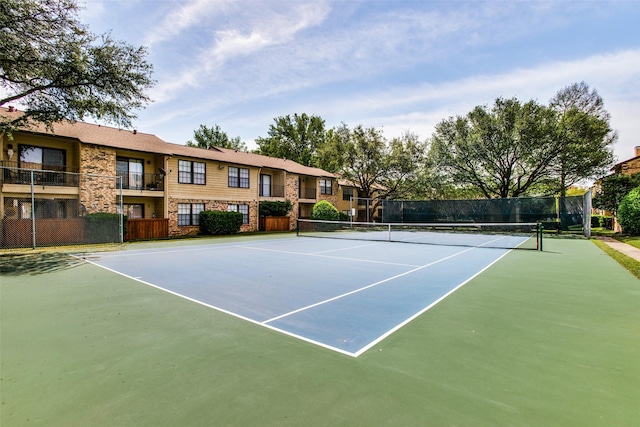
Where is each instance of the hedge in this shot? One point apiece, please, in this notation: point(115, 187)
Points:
point(275, 208)
point(219, 223)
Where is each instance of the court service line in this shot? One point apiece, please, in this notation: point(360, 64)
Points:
point(313, 254)
point(207, 247)
point(347, 249)
point(365, 287)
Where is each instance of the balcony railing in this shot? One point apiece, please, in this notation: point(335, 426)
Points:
point(272, 191)
point(307, 193)
point(142, 181)
point(22, 173)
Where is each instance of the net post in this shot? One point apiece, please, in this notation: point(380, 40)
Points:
point(297, 227)
point(540, 234)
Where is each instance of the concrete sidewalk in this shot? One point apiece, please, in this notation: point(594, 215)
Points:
point(628, 250)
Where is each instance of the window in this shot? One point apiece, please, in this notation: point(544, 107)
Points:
point(325, 186)
point(265, 185)
point(347, 193)
point(134, 210)
point(191, 172)
point(243, 209)
point(238, 177)
point(46, 158)
point(44, 208)
point(189, 213)
point(131, 172)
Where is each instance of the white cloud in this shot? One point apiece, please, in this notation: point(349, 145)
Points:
point(184, 17)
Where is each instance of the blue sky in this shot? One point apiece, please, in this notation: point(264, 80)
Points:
point(394, 65)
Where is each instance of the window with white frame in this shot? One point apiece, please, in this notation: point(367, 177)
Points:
point(191, 172)
point(238, 177)
point(243, 209)
point(325, 186)
point(189, 213)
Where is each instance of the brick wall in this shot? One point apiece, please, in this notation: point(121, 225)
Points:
point(98, 187)
point(291, 193)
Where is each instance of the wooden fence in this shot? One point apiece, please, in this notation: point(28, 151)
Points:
point(144, 229)
point(275, 223)
point(16, 233)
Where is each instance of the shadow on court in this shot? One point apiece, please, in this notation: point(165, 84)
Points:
point(36, 263)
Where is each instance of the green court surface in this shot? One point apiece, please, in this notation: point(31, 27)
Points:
point(539, 339)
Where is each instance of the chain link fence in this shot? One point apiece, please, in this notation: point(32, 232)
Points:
point(51, 208)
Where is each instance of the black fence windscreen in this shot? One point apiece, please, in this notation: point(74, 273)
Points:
point(561, 213)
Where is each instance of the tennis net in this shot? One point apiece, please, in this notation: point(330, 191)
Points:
point(488, 235)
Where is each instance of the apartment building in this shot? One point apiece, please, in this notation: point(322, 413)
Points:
point(353, 202)
point(73, 166)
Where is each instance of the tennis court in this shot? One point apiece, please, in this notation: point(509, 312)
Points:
point(537, 338)
point(345, 295)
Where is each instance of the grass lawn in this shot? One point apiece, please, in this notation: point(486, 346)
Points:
point(539, 339)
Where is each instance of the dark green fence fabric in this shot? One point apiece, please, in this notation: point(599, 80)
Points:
point(563, 213)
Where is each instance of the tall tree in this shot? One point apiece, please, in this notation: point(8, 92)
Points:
point(55, 69)
point(584, 134)
point(208, 137)
point(504, 151)
point(405, 174)
point(294, 138)
point(378, 168)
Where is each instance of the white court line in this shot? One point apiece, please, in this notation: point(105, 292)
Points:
point(207, 247)
point(222, 310)
point(365, 287)
point(315, 254)
point(285, 332)
point(397, 327)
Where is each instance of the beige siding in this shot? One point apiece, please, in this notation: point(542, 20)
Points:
point(217, 183)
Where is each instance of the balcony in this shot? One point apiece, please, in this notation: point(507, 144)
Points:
point(142, 181)
point(271, 190)
point(45, 175)
point(307, 193)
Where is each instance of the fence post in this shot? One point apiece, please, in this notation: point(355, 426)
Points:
point(121, 219)
point(33, 213)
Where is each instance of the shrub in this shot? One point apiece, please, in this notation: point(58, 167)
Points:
point(275, 208)
point(218, 222)
point(601, 221)
point(102, 227)
point(325, 211)
point(629, 212)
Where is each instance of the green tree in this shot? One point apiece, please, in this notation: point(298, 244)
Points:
point(294, 138)
point(379, 168)
point(405, 175)
point(359, 155)
point(584, 135)
point(611, 189)
point(629, 212)
point(504, 151)
point(214, 136)
point(55, 69)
